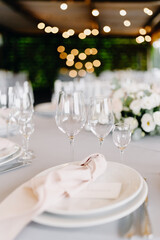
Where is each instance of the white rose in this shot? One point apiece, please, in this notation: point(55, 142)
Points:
point(132, 122)
point(135, 106)
point(147, 122)
point(156, 117)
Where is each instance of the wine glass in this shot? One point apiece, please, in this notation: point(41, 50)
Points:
point(6, 105)
point(70, 115)
point(100, 119)
point(26, 130)
point(24, 108)
point(121, 137)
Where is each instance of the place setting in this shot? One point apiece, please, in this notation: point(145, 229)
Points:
point(19, 112)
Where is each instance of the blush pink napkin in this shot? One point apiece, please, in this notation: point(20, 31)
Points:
point(36, 195)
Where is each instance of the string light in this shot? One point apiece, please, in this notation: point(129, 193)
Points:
point(55, 29)
point(94, 51)
point(95, 32)
point(148, 38)
point(71, 32)
point(82, 73)
point(61, 49)
point(63, 6)
point(142, 31)
point(140, 39)
point(91, 70)
point(148, 11)
point(106, 29)
point(41, 25)
point(65, 35)
point(81, 35)
point(96, 63)
point(88, 65)
point(73, 73)
point(70, 57)
point(63, 55)
point(74, 52)
point(82, 56)
point(48, 29)
point(127, 23)
point(95, 12)
point(88, 51)
point(78, 65)
point(87, 32)
point(122, 12)
point(69, 63)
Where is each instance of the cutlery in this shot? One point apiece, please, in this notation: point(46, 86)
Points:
point(133, 229)
point(146, 223)
point(12, 166)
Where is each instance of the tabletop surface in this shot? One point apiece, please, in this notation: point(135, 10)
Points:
point(51, 148)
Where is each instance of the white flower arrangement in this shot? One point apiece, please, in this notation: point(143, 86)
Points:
point(138, 105)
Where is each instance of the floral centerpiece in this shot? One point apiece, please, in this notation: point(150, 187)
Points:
point(138, 104)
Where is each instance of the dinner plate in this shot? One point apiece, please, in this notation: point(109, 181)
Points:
point(12, 157)
point(8, 151)
point(129, 178)
point(63, 221)
point(45, 109)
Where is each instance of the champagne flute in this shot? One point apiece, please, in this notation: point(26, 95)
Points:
point(121, 137)
point(70, 115)
point(100, 119)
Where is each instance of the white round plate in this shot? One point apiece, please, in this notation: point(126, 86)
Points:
point(8, 151)
point(45, 109)
point(130, 179)
point(12, 157)
point(62, 221)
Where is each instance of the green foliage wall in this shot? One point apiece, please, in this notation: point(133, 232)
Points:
point(38, 55)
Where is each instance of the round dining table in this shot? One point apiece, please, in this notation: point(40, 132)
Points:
point(51, 147)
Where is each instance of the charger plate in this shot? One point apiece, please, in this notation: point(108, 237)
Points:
point(63, 221)
point(130, 179)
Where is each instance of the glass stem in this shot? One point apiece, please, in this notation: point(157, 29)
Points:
point(122, 155)
point(71, 138)
point(101, 143)
point(26, 145)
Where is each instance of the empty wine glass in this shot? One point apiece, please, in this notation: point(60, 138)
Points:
point(70, 115)
point(26, 131)
point(121, 137)
point(100, 118)
point(24, 108)
point(6, 105)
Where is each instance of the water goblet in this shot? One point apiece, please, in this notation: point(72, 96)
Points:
point(100, 118)
point(70, 115)
point(121, 137)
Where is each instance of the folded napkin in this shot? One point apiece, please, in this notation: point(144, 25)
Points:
point(36, 195)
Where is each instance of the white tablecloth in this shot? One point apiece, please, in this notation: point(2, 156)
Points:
point(51, 148)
